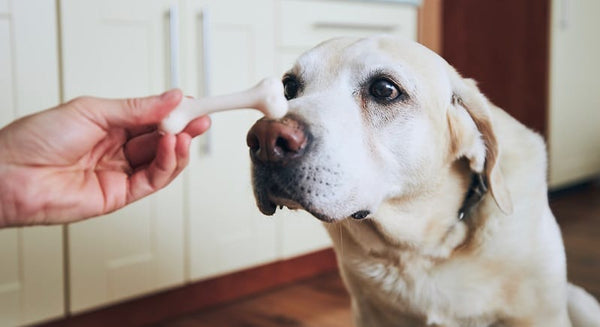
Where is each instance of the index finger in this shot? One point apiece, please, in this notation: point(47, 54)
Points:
point(197, 126)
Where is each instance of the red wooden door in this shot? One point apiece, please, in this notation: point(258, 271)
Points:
point(504, 45)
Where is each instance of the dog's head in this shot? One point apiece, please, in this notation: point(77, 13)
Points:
point(370, 120)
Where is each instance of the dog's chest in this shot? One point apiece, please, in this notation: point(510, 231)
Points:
point(408, 284)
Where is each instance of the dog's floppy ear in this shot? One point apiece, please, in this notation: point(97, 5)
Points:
point(472, 137)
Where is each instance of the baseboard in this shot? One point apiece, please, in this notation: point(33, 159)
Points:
point(573, 187)
point(200, 295)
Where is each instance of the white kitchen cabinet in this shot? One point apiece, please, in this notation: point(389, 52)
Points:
point(230, 47)
point(31, 259)
point(115, 48)
point(574, 113)
point(205, 223)
point(302, 25)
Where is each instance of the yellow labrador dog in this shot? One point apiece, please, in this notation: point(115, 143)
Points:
point(434, 198)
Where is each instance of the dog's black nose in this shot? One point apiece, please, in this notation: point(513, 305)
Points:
point(277, 141)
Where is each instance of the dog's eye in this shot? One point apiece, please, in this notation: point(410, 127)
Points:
point(384, 89)
point(290, 87)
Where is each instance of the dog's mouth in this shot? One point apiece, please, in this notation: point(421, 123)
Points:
point(277, 198)
point(275, 190)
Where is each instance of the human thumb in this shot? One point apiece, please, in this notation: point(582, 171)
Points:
point(135, 111)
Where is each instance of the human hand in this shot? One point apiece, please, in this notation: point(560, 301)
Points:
point(89, 157)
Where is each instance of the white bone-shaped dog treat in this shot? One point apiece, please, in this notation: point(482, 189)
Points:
point(267, 96)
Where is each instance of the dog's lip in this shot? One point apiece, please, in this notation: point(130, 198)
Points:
point(285, 202)
point(267, 207)
point(269, 199)
point(279, 197)
point(276, 197)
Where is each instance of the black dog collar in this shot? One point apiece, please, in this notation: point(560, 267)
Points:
point(474, 195)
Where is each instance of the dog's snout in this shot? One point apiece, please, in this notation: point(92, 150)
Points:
point(277, 141)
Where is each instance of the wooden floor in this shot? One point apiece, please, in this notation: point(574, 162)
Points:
point(323, 301)
point(317, 302)
point(578, 213)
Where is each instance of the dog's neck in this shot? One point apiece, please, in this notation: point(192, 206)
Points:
point(429, 223)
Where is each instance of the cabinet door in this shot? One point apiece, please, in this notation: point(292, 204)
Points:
point(115, 48)
point(230, 47)
point(31, 259)
point(304, 24)
point(574, 97)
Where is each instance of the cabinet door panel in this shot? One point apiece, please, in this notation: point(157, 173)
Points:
point(31, 261)
point(31, 275)
point(10, 283)
point(121, 49)
point(115, 48)
point(307, 23)
point(227, 232)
